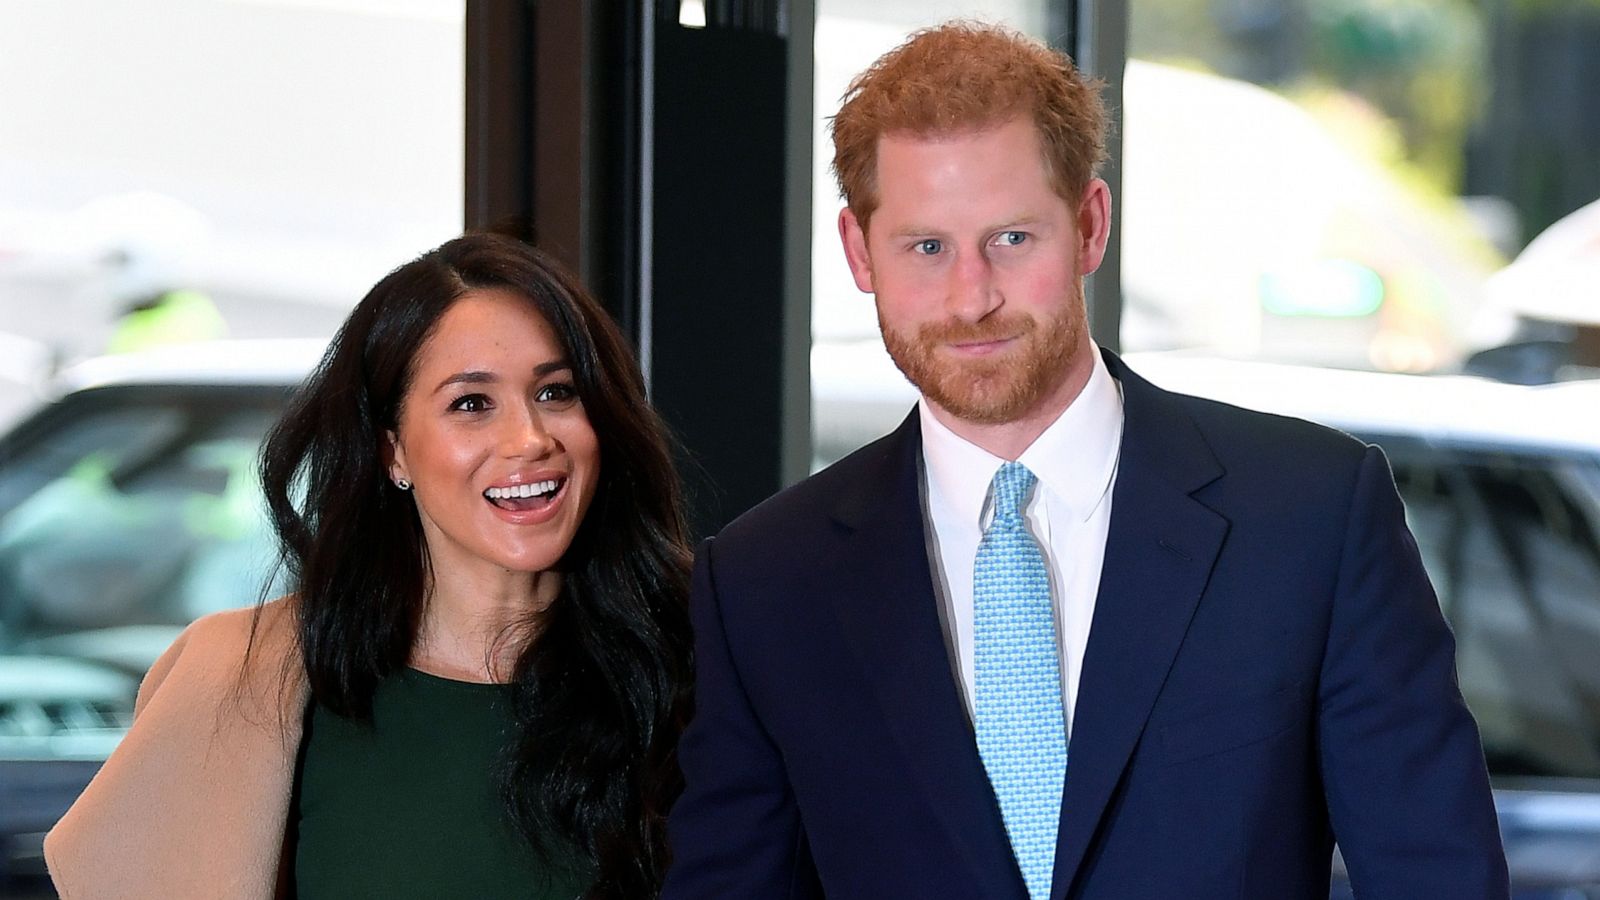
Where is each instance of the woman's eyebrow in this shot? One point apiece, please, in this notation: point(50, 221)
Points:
point(476, 376)
point(469, 377)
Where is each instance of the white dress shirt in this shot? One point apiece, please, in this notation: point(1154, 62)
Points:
point(1075, 460)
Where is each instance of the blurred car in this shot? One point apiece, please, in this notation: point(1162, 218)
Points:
point(129, 506)
point(1541, 315)
point(1502, 490)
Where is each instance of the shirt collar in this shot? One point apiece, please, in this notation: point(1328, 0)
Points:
point(1074, 459)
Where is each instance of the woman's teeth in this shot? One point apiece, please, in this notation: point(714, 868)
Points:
point(523, 491)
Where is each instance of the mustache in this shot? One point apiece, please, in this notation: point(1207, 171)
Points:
point(990, 328)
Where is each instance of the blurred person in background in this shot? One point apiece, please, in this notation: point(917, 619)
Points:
point(1222, 610)
point(476, 687)
point(168, 317)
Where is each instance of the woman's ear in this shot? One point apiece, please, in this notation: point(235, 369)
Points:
point(394, 457)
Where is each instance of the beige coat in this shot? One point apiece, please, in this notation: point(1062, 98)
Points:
point(193, 802)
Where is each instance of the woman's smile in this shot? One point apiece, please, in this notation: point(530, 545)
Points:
point(495, 440)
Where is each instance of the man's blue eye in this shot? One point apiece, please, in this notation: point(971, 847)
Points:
point(1013, 238)
point(929, 247)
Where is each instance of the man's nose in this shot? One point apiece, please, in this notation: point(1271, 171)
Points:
point(972, 292)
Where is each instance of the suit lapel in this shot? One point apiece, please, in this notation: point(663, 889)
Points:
point(887, 608)
point(1160, 549)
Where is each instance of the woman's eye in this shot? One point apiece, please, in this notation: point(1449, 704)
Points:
point(928, 247)
point(1011, 238)
point(557, 392)
point(472, 403)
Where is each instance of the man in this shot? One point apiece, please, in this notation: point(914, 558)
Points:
point(1062, 634)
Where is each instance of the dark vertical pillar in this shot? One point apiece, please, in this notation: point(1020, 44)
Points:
point(499, 115)
point(541, 81)
point(1095, 34)
point(563, 183)
point(717, 259)
point(658, 161)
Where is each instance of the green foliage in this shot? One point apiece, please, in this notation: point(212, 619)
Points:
point(1527, 8)
point(1177, 32)
point(1419, 61)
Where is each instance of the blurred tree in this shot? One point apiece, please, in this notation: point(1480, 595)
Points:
point(1419, 61)
point(1489, 97)
point(1177, 32)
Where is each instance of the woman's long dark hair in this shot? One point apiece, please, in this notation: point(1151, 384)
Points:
point(602, 691)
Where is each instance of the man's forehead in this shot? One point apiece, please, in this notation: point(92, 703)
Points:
point(951, 133)
point(960, 162)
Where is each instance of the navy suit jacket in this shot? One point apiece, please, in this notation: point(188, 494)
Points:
point(1267, 672)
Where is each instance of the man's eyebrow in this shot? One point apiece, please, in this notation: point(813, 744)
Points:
point(1019, 220)
point(911, 231)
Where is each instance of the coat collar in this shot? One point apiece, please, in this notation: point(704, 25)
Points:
point(1159, 553)
point(888, 610)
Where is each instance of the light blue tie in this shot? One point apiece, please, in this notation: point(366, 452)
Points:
point(1022, 733)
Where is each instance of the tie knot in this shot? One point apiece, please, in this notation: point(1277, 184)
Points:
point(1012, 484)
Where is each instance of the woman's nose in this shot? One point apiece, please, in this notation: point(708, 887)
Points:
point(527, 437)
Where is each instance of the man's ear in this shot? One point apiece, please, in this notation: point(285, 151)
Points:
point(855, 250)
point(1094, 225)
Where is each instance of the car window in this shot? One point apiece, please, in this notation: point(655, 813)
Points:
point(124, 515)
point(1509, 540)
point(110, 432)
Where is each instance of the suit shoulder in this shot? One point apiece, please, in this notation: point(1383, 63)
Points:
point(1235, 433)
point(809, 505)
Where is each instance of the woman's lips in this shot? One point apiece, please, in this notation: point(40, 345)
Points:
point(539, 505)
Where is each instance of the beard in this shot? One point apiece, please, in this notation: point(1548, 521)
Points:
point(992, 390)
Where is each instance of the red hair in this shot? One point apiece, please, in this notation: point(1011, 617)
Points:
point(968, 76)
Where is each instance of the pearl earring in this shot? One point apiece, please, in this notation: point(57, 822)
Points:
point(402, 484)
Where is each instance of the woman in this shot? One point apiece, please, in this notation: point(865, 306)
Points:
point(477, 685)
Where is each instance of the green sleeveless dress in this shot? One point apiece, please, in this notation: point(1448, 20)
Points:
point(409, 807)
